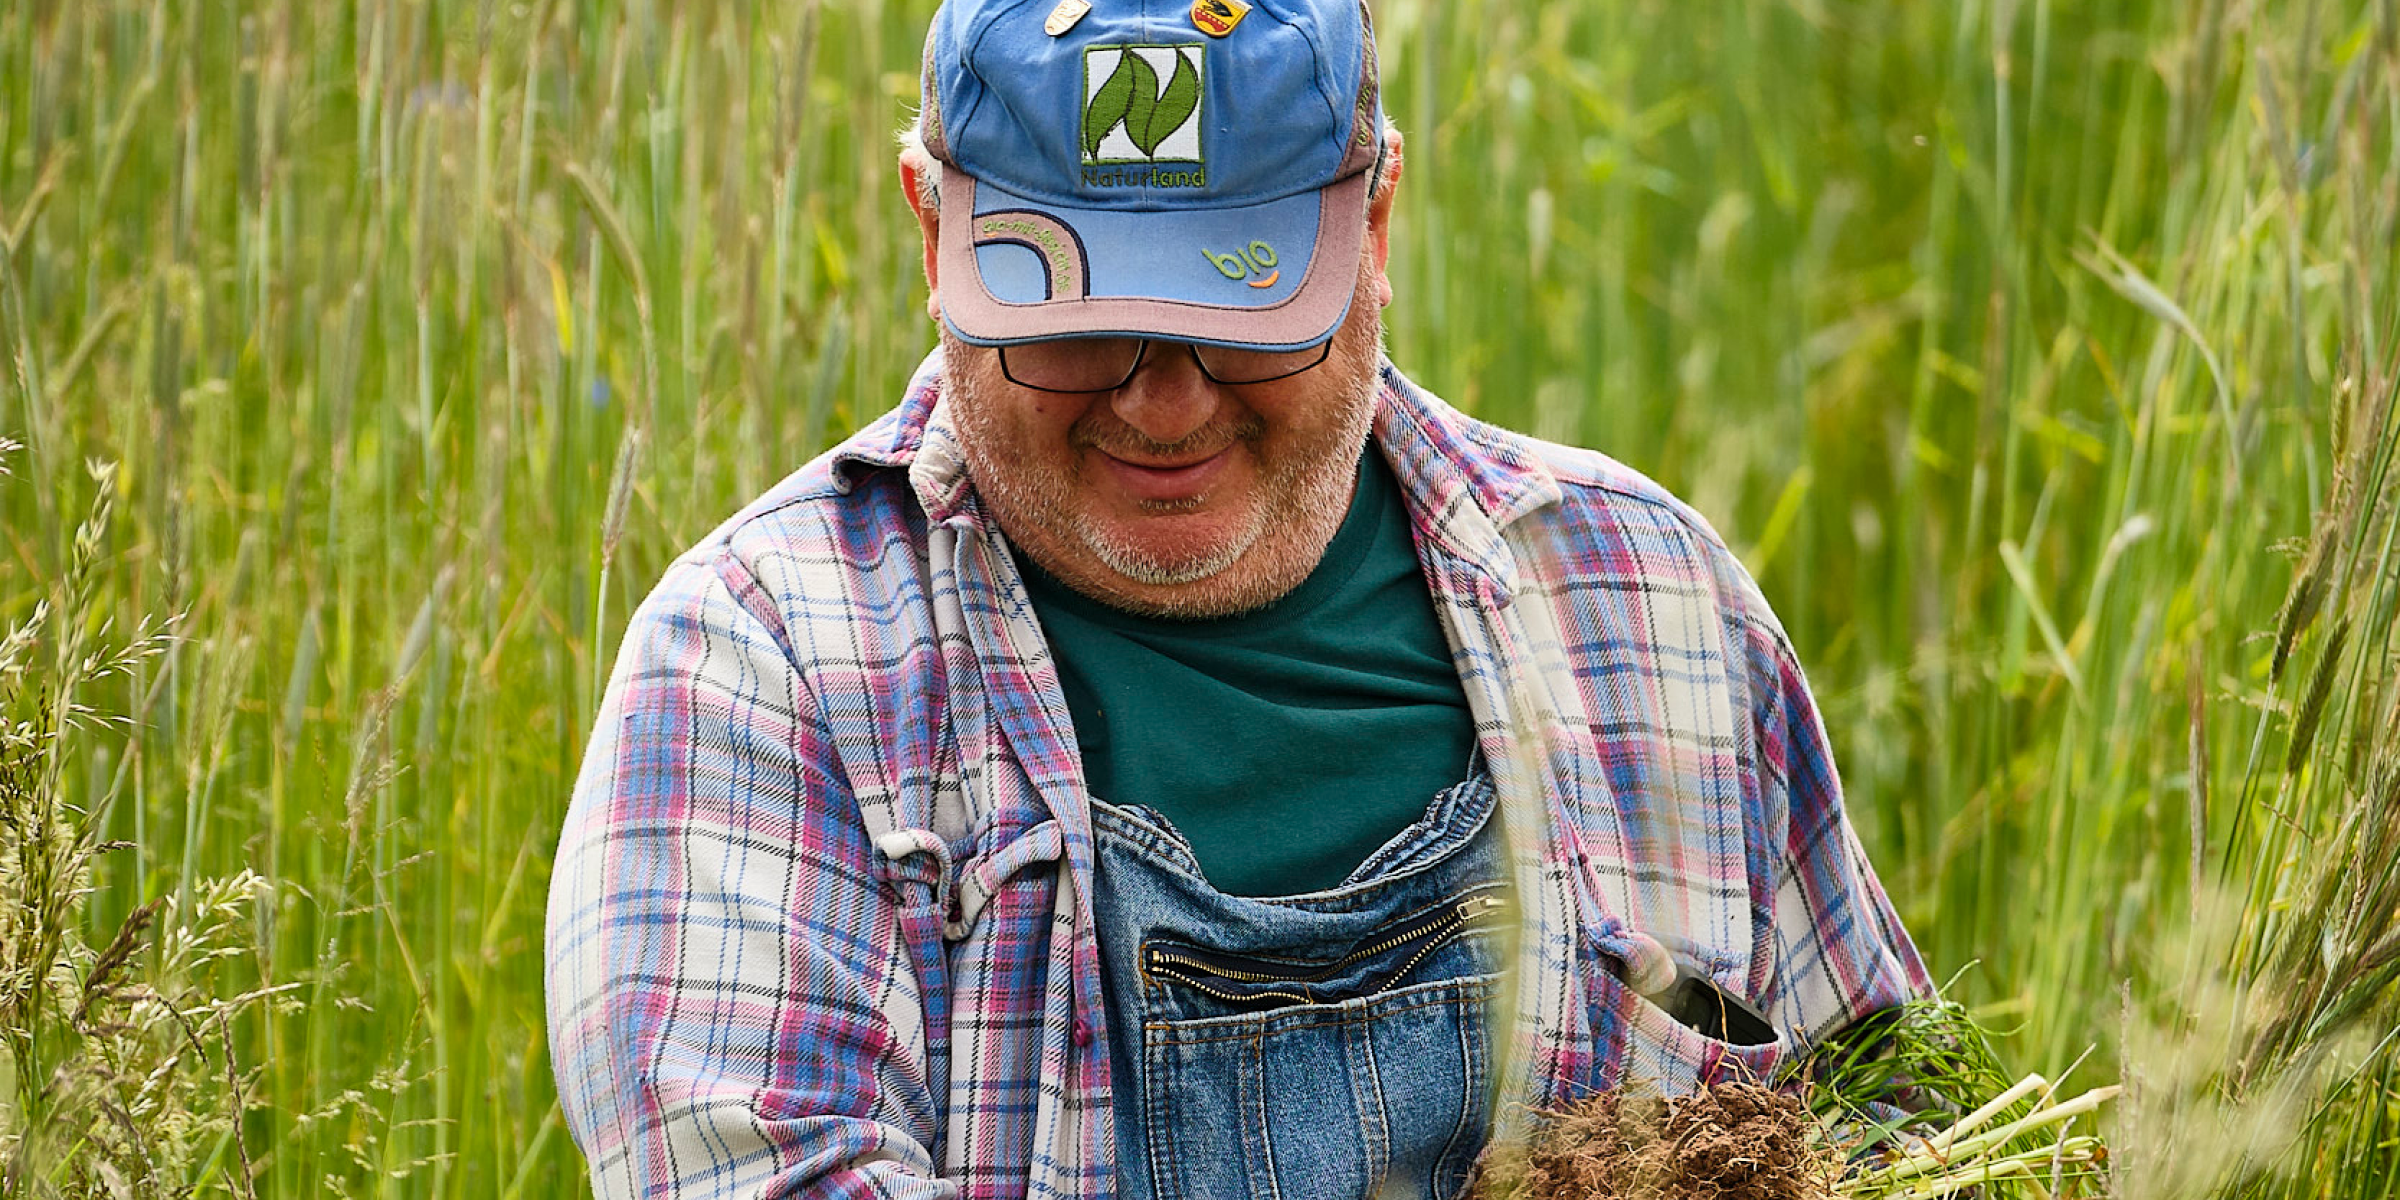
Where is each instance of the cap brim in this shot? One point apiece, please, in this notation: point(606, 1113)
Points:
point(1278, 275)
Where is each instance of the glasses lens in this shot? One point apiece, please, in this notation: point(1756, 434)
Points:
point(1072, 364)
point(1227, 365)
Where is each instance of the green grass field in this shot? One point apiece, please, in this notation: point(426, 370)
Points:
point(2038, 357)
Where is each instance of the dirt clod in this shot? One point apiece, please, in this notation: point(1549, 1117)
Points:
point(1730, 1141)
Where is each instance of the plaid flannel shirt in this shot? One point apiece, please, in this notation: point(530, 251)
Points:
point(821, 919)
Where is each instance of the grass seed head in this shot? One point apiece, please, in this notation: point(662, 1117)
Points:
point(2312, 704)
point(2300, 605)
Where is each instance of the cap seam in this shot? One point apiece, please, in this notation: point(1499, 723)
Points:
point(966, 66)
point(1147, 193)
point(1317, 58)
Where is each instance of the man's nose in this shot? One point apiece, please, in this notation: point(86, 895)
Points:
point(1169, 398)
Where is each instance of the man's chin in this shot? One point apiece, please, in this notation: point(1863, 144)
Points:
point(1170, 565)
point(1185, 578)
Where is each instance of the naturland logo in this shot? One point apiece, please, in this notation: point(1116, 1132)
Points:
point(1141, 109)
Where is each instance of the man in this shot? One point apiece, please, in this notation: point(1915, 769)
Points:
point(1171, 754)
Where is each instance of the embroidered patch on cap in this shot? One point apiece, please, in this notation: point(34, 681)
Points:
point(1141, 104)
point(1253, 264)
point(1216, 18)
point(1062, 253)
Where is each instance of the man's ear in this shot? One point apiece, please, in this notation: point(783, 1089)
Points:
point(929, 225)
point(1379, 216)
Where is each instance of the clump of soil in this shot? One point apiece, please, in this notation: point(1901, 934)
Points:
point(1729, 1141)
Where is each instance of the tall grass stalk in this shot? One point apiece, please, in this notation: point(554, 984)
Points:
point(107, 1082)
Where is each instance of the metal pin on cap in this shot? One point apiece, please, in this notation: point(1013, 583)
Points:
point(1065, 16)
point(1216, 18)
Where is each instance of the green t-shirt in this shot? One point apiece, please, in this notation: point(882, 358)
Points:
point(1285, 744)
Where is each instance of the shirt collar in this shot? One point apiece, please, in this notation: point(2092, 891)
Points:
point(917, 437)
point(1466, 483)
point(897, 440)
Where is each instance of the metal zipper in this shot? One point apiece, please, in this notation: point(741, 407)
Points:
point(1435, 929)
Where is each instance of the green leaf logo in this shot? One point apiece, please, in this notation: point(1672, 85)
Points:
point(1174, 107)
point(1132, 98)
point(1110, 103)
point(1144, 101)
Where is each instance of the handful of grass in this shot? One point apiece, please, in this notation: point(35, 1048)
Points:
point(2035, 1149)
point(1873, 1119)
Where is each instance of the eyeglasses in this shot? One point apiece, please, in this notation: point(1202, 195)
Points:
point(1106, 364)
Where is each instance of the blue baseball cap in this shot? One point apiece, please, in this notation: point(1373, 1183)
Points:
point(1190, 169)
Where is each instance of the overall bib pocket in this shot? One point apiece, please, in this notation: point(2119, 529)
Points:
point(1355, 1074)
point(1378, 1096)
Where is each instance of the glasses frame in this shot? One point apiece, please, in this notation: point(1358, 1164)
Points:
point(1141, 355)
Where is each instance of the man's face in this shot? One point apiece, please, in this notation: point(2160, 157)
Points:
point(1173, 495)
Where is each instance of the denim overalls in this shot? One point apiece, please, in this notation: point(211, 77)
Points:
point(1315, 1047)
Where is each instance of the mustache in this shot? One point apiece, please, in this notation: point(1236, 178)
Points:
point(1103, 432)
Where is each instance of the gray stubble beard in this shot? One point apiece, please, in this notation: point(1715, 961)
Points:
point(1043, 500)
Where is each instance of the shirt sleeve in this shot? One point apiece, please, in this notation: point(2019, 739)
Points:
point(735, 1006)
point(1837, 948)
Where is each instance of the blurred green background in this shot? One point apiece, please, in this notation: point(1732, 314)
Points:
point(2026, 351)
